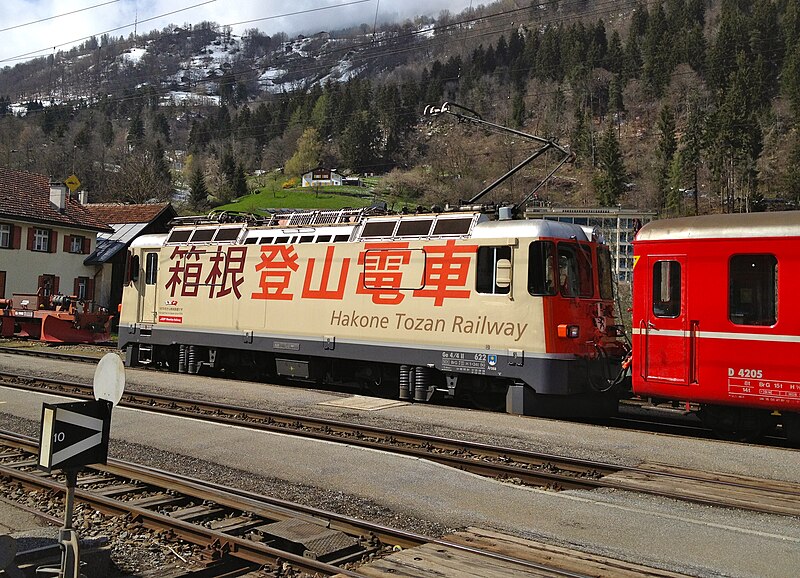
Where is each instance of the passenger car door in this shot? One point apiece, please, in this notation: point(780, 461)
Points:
point(665, 322)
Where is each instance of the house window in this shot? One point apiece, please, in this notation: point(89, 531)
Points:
point(41, 240)
point(76, 244)
point(82, 288)
point(5, 235)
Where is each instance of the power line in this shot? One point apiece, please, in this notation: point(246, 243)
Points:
point(69, 42)
point(58, 16)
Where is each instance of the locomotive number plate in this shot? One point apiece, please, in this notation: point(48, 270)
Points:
point(466, 362)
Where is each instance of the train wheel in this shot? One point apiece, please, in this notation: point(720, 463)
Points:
point(485, 394)
point(735, 423)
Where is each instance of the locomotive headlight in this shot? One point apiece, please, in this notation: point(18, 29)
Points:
point(569, 331)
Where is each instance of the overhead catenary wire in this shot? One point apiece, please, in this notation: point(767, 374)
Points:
point(70, 13)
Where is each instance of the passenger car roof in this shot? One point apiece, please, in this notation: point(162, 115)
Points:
point(729, 226)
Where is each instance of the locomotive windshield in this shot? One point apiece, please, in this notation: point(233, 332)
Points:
point(565, 268)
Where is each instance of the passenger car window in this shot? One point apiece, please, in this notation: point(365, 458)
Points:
point(753, 290)
point(667, 289)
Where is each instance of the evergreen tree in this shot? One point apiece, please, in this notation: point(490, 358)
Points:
point(667, 145)
point(518, 112)
point(692, 147)
point(239, 181)
point(609, 181)
point(792, 178)
point(358, 143)
point(135, 131)
point(198, 196)
point(227, 166)
point(657, 53)
point(790, 80)
point(161, 172)
point(581, 139)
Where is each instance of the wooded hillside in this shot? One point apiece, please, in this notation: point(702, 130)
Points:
point(679, 106)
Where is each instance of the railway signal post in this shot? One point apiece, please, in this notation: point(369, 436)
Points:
point(74, 435)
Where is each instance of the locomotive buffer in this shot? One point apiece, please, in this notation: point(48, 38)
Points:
point(74, 435)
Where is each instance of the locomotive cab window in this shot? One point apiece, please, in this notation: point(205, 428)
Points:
point(753, 290)
point(541, 268)
point(151, 269)
point(486, 276)
point(605, 272)
point(574, 270)
point(667, 289)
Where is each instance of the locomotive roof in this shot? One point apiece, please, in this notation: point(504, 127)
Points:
point(530, 228)
point(729, 226)
point(372, 228)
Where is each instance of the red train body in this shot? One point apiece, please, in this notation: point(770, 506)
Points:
point(716, 320)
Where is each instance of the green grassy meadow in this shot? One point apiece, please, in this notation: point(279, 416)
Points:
point(272, 195)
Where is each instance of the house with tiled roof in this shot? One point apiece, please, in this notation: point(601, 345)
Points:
point(45, 235)
point(110, 255)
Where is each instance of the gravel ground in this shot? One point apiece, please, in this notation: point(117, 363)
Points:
point(575, 439)
point(136, 550)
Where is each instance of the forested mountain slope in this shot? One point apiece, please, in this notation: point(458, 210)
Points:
point(679, 106)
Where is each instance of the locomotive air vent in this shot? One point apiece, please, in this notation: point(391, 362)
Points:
point(418, 227)
point(205, 234)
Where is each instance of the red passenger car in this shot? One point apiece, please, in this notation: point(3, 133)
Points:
point(716, 318)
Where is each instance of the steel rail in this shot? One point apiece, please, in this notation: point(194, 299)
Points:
point(666, 425)
point(268, 507)
point(533, 468)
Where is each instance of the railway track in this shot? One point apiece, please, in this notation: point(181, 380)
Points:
point(633, 414)
point(270, 534)
point(516, 466)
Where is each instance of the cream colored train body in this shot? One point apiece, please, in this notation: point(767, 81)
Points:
point(514, 314)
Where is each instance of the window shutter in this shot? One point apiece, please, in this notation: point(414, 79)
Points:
point(75, 286)
point(16, 237)
point(53, 242)
point(87, 245)
point(90, 290)
point(30, 238)
point(55, 285)
point(67, 241)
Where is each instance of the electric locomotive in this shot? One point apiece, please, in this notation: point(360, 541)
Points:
point(716, 320)
point(514, 314)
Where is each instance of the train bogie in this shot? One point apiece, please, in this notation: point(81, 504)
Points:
point(715, 318)
point(423, 306)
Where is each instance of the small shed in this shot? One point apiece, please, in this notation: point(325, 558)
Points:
point(110, 256)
